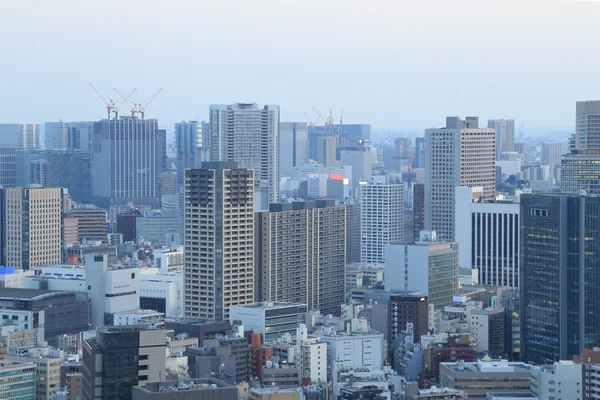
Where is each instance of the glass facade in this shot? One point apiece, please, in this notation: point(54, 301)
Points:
point(560, 296)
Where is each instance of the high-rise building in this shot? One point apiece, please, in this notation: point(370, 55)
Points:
point(189, 143)
point(127, 162)
point(31, 230)
point(419, 159)
point(461, 154)
point(121, 357)
point(301, 254)
point(326, 149)
point(418, 209)
point(79, 135)
point(559, 281)
point(352, 233)
point(488, 236)
point(429, 266)
point(382, 219)
point(8, 166)
point(219, 239)
point(56, 135)
point(91, 223)
point(293, 146)
point(551, 154)
point(249, 135)
point(579, 167)
point(29, 136)
point(505, 135)
point(361, 161)
point(403, 147)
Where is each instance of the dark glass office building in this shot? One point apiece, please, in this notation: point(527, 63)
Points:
point(560, 292)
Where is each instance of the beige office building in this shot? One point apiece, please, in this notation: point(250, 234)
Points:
point(32, 226)
point(461, 154)
point(219, 239)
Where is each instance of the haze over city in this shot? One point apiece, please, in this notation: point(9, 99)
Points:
point(391, 64)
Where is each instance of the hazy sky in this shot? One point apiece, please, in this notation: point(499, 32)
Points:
point(389, 63)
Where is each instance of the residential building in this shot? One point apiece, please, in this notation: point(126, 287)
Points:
point(461, 154)
point(488, 236)
point(352, 233)
point(190, 143)
point(19, 380)
point(249, 135)
point(405, 269)
point(293, 146)
point(382, 219)
point(579, 167)
point(199, 389)
point(56, 135)
point(47, 370)
point(487, 375)
point(300, 252)
point(557, 295)
point(128, 157)
point(121, 357)
point(31, 229)
point(505, 134)
point(271, 319)
point(219, 239)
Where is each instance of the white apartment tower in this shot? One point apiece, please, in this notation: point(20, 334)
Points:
point(381, 219)
point(31, 226)
point(219, 239)
point(461, 154)
point(249, 135)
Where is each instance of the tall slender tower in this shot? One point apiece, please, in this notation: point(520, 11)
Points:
point(461, 154)
point(293, 146)
point(56, 135)
point(219, 239)
point(249, 135)
point(505, 135)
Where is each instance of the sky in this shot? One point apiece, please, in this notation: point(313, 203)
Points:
point(393, 64)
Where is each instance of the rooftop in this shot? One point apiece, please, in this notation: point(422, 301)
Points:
point(26, 294)
point(488, 366)
point(270, 305)
point(200, 384)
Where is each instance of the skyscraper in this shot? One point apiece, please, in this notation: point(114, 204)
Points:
point(352, 233)
point(461, 154)
point(488, 236)
point(249, 135)
point(382, 218)
point(326, 149)
point(301, 254)
point(560, 278)
point(127, 162)
point(31, 229)
point(505, 134)
point(419, 159)
point(56, 135)
point(29, 136)
point(293, 146)
point(551, 154)
point(579, 168)
point(8, 166)
point(188, 141)
point(79, 135)
point(219, 239)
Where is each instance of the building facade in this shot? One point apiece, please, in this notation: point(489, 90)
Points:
point(381, 219)
point(293, 146)
point(461, 154)
point(190, 145)
point(128, 158)
point(31, 229)
point(249, 135)
point(56, 135)
point(505, 134)
point(219, 239)
point(301, 254)
point(489, 240)
point(558, 295)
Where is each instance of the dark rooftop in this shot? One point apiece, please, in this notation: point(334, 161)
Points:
point(24, 294)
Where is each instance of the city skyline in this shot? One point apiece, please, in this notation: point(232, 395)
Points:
point(383, 68)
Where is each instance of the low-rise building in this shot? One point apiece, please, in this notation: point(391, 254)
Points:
point(562, 380)
point(269, 318)
point(188, 389)
point(47, 369)
point(161, 291)
point(139, 316)
point(18, 380)
point(412, 392)
point(478, 378)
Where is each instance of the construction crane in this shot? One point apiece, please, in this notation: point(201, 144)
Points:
point(140, 108)
point(111, 106)
point(125, 99)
